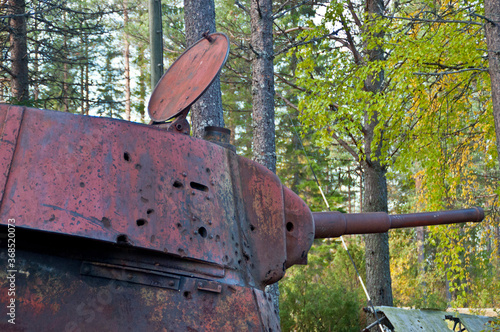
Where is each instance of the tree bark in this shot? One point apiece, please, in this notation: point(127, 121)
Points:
point(18, 51)
point(378, 272)
point(126, 59)
point(264, 146)
point(199, 17)
point(492, 14)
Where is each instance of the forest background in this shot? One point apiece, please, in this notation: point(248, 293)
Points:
point(434, 134)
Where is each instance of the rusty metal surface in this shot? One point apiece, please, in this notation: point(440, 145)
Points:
point(220, 136)
point(263, 203)
point(334, 224)
point(299, 227)
point(10, 122)
point(196, 212)
point(437, 218)
point(122, 182)
point(188, 77)
point(52, 294)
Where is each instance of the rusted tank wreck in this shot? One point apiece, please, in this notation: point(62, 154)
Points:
point(108, 225)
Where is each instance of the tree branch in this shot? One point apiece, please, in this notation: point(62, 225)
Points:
point(7, 70)
point(344, 145)
point(292, 30)
point(288, 102)
point(278, 14)
point(414, 19)
point(289, 83)
point(353, 13)
point(450, 72)
point(302, 43)
point(239, 4)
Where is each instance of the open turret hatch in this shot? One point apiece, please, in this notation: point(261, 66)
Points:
point(188, 77)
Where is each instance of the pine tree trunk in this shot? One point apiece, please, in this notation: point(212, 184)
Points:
point(18, 51)
point(264, 146)
point(378, 272)
point(65, 88)
point(36, 54)
point(87, 83)
point(199, 17)
point(492, 13)
point(142, 85)
point(126, 59)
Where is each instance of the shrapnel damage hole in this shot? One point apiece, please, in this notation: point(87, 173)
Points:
point(141, 222)
point(198, 186)
point(202, 231)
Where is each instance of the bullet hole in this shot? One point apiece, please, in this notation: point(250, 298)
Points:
point(150, 211)
point(198, 186)
point(141, 222)
point(289, 226)
point(187, 295)
point(178, 184)
point(126, 156)
point(202, 231)
point(252, 227)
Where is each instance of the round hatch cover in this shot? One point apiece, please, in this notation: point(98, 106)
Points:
point(188, 77)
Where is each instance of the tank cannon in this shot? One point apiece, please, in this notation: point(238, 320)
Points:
point(109, 225)
point(335, 224)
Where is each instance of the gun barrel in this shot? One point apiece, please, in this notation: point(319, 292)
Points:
point(334, 224)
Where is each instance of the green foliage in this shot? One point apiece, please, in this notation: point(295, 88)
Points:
point(324, 295)
point(435, 127)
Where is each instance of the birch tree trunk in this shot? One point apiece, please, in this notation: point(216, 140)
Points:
point(378, 272)
point(492, 13)
point(199, 17)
